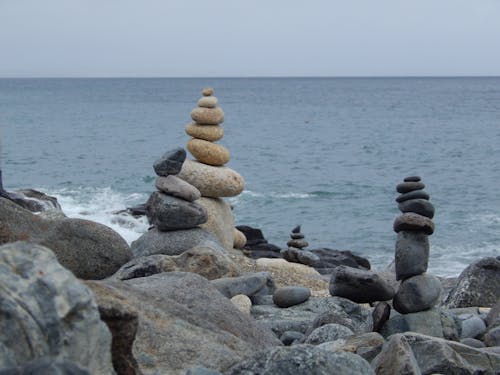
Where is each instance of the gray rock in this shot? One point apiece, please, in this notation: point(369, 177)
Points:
point(360, 286)
point(173, 185)
point(407, 186)
point(170, 162)
point(249, 285)
point(475, 343)
point(35, 201)
point(328, 332)
point(472, 326)
point(415, 194)
point(380, 315)
point(297, 236)
point(170, 213)
point(300, 256)
point(412, 222)
point(396, 357)
point(418, 293)
point(412, 179)
point(288, 337)
point(419, 206)
point(298, 243)
point(46, 366)
point(56, 314)
point(331, 258)
point(184, 322)
point(90, 250)
point(296, 229)
point(477, 285)
point(173, 242)
point(202, 371)
point(493, 317)
point(492, 337)
point(412, 254)
point(301, 360)
point(291, 295)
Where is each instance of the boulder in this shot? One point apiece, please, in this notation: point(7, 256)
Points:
point(331, 258)
point(212, 181)
point(46, 312)
point(173, 242)
point(327, 332)
point(290, 296)
point(396, 357)
point(412, 222)
point(418, 293)
point(219, 220)
point(209, 133)
point(301, 360)
point(360, 286)
point(477, 285)
point(184, 322)
point(170, 162)
point(208, 152)
point(207, 116)
point(90, 250)
point(412, 254)
point(249, 285)
point(243, 303)
point(173, 185)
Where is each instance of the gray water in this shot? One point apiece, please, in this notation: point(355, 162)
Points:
point(326, 153)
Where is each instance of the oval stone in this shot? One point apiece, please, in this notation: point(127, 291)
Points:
point(208, 152)
point(291, 296)
point(239, 239)
point(210, 133)
point(212, 181)
point(406, 187)
point(207, 91)
point(419, 206)
point(418, 293)
point(173, 185)
point(170, 162)
point(412, 179)
point(415, 194)
point(208, 102)
point(413, 222)
point(208, 116)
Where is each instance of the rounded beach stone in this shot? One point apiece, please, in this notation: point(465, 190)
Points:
point(291, 296)
point(327, 333)
point(415, 194)
point(208, 116)
point(170, 162)
point(406, 187)
point(173, 185)
point(418, 293)
point(242, 303)
point(412, 254)
point(419, 206)
point(299, 244)
point(210, 133)
point(208, 102)
point(207, 152)
point(412, 179)
point(413, 222)
point(212, 181)
point(239, 239)
point(297, 236)
point(207, 91)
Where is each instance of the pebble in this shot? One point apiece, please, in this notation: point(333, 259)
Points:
point(291, 296)
point(208, 102)
point(418, 293)
point(411, 255)
point(170, 162)
point(413, 222)
point(207, 91)
point(173, 185)
point(207, 152)
point(419, 206)
point(406, 187)
point(242, 303)
point(415, 194)
point(210, 133)
point(207, 116)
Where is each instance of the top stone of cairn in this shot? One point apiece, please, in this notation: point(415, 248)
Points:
point(207, 91)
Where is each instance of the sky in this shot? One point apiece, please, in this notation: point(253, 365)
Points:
point(226, 38)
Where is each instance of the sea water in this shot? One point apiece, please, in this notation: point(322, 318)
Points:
point(325, 153)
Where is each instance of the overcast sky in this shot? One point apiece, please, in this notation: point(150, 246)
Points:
point(172, 38)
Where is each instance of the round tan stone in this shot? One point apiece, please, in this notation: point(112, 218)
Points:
point(212, 181)
point(210, 133)
point(208, 102)
point(219, 220)
point(239, 239)
point(208, 116)
point(207, 152)
point(242, 303)
point(207, 91)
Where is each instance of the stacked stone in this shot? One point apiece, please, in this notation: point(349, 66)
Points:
point(296, 253)
point(297, 239)
point(419, 290)
point(173, 206)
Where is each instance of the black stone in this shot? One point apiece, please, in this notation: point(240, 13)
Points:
point(290, 296)
point(296, 229)
point(380, 315)
point(412, 222)
point(170, 162)
point(418, 206)
point(418, 293)
point(331, 258)
point(412, 179)
point(406, 187)
point(254, 236)
point(415, 194)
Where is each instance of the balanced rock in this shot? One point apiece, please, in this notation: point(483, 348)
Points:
point(418, 293)
point(291, 295)
point(171, 213)
point(412, 179)
point(412, 254)
point(297, 243)
point(419, 206)
point(406, 187)
point(170, 162)
point(239, 239)
point(208, 102)
point(415, 194)
point(173, 185)
point(413, 222)
point(207, 91)
point(207, 152)
point(219, 220)
point(209, 133)
point(208, 116)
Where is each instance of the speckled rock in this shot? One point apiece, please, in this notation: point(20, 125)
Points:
point(328, 332)
point(242, 302)
point(208, 102)
point(413, 222)
point(239, 239)
point(173, 185)
point(207, 152)
point(208, 116)
point(209, 133)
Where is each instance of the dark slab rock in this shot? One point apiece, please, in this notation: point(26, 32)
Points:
point(415, 194)
point(360, 286)
point(258, 283)
point(417, 293)
point(290, 296)
point(331, 258)
point(185, 322)
point(380, 314)
point(327, 332)
point(297, 236)
point(477, 285)
point(406, 187)
point(274, 252)
point(412, 254)
point(47, 366)
point(419, 206)
point(412, 179)
point(396, 357)
point(412, 222)
point(301, 360)
point(170, 162)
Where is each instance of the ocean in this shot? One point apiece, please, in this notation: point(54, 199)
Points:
point(325, 153)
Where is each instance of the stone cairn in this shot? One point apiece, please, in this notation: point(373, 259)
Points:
point(295, 251)
point(208, 172)
point(172, 207)
point(419, 290)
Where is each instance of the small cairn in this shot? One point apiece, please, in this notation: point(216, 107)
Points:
point(419, 290)
point(172, 207)
point(295, 251)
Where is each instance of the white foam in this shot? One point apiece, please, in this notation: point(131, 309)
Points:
point(276, 195)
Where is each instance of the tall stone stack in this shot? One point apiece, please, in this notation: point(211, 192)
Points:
point(419, 290)
point(208, 172)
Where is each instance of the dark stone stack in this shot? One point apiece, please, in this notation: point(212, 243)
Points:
point(172, 207)
point(419, 290)
point(295, 252)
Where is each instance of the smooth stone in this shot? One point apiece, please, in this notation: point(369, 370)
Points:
point(209, 133)
point(201, 371)
point(492, 337)
point(297, 236)
point(396, 357)
point(419, 206)
point(475, 343)
point(477, 285)
point(472, 326)
point(207, 91)
point(258, 283)
point(34, 201)
point(360, 286)
point(299, 244)
point(289, 337)
point(296, 229)
point(170, 162)
point(212, 181)
point(207, 152)
point(208, 116)
point(299, 256)
point(239, 239)
point(219, 220)
point(412, 254)
point(415, 194)
point(290, 296)
point(243, 303)
point(412, 179)
point(351, 315)
point(380, 315)
point(208, 102)
point(412, 222)
point(328, 332)
point(170, 213)
point(173, 185)
point(331, 258)
point(417, 293)
point(406, 187)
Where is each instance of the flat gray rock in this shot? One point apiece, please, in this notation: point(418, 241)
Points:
point(291, 295)
point(173, 185)
point(258, 283)
point(328, 332)
point(396, 357)
point(419, 206)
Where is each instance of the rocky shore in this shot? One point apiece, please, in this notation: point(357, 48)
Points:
point(197, 295)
